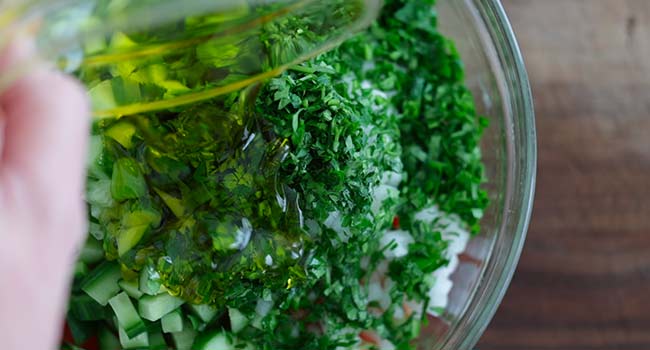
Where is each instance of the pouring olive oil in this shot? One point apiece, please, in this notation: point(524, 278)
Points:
point(195, 189)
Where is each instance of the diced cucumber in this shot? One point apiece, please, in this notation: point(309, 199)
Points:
point(157, 341)
point(205, 312)
point(128, 181)
point(92, 252)
point(147, 217)
point(101, 96)
point(93, 157)
point(174, 204)
point(262, 309)
point(101, 284)
point(131, 288)
point(129, 237)
point(80, 269)
point(196, 322)
point(140, 341)
point(237, 320)
point(85, 308)
point(122, 132)
point(149, 281)
point(108, 340)
point(154, 307)
point(127, 318)
point(172, 322)
point(134, 225)
point(95, 231)
point(213, 341)
point(185, 339)
point(98, 195)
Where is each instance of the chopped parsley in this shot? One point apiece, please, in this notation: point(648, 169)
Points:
point(285, 215)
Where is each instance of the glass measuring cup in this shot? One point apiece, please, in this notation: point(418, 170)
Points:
point(138, 56)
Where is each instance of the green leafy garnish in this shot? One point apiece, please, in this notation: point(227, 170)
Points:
point(290, 214)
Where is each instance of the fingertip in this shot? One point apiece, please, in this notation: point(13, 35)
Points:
point(47, 128)
point(71, 107)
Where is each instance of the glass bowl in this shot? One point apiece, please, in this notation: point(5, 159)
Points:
point(496, 75)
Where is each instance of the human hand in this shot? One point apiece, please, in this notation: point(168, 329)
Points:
point(43, 135)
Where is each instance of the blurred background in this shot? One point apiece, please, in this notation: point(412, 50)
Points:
point(583, 282)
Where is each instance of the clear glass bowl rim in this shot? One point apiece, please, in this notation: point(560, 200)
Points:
point(521, 142)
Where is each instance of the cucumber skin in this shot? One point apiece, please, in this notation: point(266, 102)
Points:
point(128, 318)
point(102, 283)
point(153, 308)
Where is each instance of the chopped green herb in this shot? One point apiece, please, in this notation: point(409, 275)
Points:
point(310, 211)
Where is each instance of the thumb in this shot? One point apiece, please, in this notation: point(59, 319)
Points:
point(46, 123)
point(46, 126)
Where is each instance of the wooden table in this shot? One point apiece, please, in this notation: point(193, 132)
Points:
point(583, 282)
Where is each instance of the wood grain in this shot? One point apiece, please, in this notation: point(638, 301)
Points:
point(583, 282)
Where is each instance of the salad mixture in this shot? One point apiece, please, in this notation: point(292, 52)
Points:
point(322, 209)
